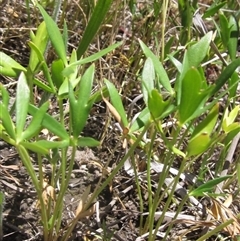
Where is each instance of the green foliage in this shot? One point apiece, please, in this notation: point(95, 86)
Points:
point(65, 82)
point(179, 125)
point(208, 187)
point(98, 15)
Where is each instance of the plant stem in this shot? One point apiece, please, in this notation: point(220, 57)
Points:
point(164, 14)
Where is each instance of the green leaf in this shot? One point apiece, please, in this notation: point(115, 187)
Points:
point(9, 67)
point(36, 123)
point(5, 96)
point(43, 86)
point(7, 121)
point(233, 85)
point(197, 52)
point(156, 105)
point(44, 65)
point(142, 119)
point(207, 125)
point(51, 124)
point(233, 38)
point(225, 75)
point(64, 88)
point(98, 15)
point(35, 147)
point(52, 144)
point(40, 41)
point(229, 137)
point(71, 68)
point(168, 45)
point(79, 109)
point(72, 74)
point(97, 96)
point(29, 166)
point(148, 77)
point(87, 141)
point(176, 63)
point(208, 186)
point(184, 10)
point(65, 35)
point(161, 73)
point(213, 9)
point(198, 144)
point(191, 95)
point(224, 29)
point(117, 102)
point(56, 70)
point(229, 118)
point(22, 102)
point(54, 35)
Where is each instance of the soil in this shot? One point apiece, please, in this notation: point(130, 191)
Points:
point(119, 202)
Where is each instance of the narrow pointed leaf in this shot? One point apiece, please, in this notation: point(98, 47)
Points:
point(36, 123)
point(71, 68)
point(25, 157)
point(43, 64)
point(9, 67)
point(148, 77)
point(87, 141)
point(80, 108)
point(22, 102)
point(7, 121)
point(40, 40)
point(162, 75)
point(233, 38)
point(213, 9)
point(208, 123)
point(226, 75)
point(4, 95)
point(117, 102)
point(208, 186)
point(35, 147)
point(142, 119)
point(225, 33)
point(98, 15)
point(65, 35)
point(54, 35)
point(51, 124)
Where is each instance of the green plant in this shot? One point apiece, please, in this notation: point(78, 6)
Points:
point(188, 138)
point(64, 81)
point(181, 125)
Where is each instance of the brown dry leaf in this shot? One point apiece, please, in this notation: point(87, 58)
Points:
point(11, 11)
point(222, 213)
point(214, 211)
point(47, 195)
point(228, 201)
point(114, 112)
point(88, 212)
point(82, 201)
point(12, 167)
point(195, 222)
